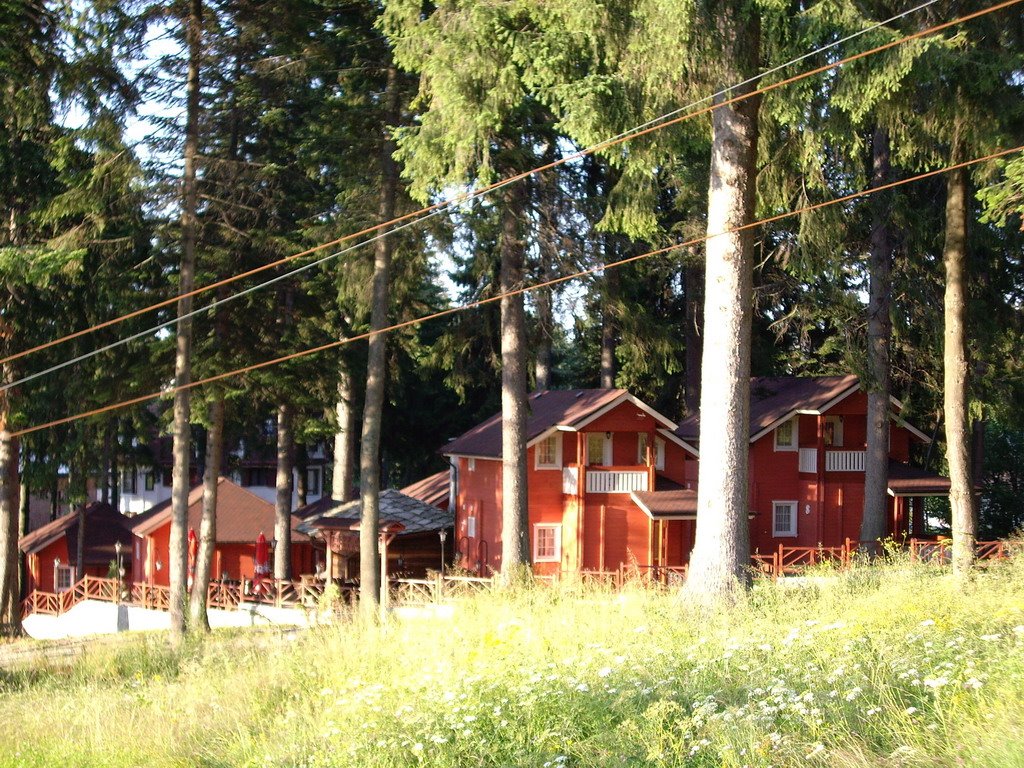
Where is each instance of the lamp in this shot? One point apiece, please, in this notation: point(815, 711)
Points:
point(442, 535)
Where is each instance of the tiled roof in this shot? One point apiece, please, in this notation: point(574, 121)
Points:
point(104, 527)
point(431, 490)
point(548, 409)
point(905, 480)
point(775, 398)
point(241, 515)
point(395, 506)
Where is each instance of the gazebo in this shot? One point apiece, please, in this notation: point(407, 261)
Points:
point(416, 528)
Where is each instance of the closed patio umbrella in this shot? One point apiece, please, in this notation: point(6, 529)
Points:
point(262, 561)
point(193, 550)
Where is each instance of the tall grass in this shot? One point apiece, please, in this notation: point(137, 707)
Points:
point(887, 665)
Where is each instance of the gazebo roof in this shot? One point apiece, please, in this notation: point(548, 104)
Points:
point(396, 508)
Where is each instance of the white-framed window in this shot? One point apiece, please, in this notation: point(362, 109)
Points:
point(599, 449)
point(150, 480)
point(641, 450)
point(128, 481)
point(471, 526)
point(786, 435)
point(548, 453)
point(784, 518)
point(471, 464)
point(63, 578)
point(834, 431)
point(313, 480)
point(547, 543)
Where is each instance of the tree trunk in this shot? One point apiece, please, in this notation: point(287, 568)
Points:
point(200, 621)
point(105, 464)
point(693, 275)
point(955, 378)
point(178, 555)
point(876, 457)
point(721, 553)
point(301, 475)
point(80, 544)
point(343, 476)
point(376, 364)
point(283, 501)
point(514, 404)
point(609, 308)
point(10, 576)
point(548, 249)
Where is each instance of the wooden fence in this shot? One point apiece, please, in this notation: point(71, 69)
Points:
point(308, 593)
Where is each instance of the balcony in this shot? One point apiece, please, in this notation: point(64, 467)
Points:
point(844, 461)
point(616, 480)
point(606, 479)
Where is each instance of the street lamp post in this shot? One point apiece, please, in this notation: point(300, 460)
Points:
point(120, 570)
point(443, 535)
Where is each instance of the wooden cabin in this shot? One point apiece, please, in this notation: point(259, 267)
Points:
point(613, 482)
point(241, 517)
point(51, 551)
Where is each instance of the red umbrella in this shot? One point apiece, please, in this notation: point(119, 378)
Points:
point(262, 568)
point(193, 550)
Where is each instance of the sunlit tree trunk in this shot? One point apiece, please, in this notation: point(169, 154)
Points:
point(514, 407)
point(178, 555)
point(208, 525)
point(376, 370)
point(721, 553)
point(283, 498)
point(876, 457)
point(343, 477)
point(955, 378)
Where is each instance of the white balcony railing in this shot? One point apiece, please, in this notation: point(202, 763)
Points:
point(844, 461)
point(808, 459)
point(615, 481)
point(570, 480)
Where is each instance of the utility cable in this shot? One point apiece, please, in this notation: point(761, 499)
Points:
point(491, 299)
point(382, 229)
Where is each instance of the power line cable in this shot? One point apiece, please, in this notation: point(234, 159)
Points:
point(516, 292)
point(662, 121)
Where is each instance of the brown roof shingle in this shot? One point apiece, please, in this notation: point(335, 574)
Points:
point(241, 515)
point(547, 409)
point(432, 490)
point(773, 398)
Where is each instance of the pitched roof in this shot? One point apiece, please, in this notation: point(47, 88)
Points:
point(431, 490)
point(905, 480)
point(775, 399)
point(548, 409)
point(395, 506)
point(104, 527)
point(241, 514)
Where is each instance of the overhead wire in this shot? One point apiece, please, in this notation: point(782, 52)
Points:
point(526, 289)
point(384, 229)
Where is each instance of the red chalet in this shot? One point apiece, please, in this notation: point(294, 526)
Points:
point(241, 517)
point(613, 482)
point(51, 551)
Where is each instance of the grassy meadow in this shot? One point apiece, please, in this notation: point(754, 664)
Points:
point(889, 666)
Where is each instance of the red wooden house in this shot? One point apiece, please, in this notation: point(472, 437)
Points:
point(612, 481)
point(51, 551)
point(241, 517)
point(588, 450)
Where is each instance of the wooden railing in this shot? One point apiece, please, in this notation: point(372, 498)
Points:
point(308, 593)
point(844, 461)
point(617, 480)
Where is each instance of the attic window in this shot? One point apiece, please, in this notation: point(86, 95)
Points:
point(786, 437)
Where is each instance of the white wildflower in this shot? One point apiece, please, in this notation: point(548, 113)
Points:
point(928, 623)
point(817, 750)
point(604, 671)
